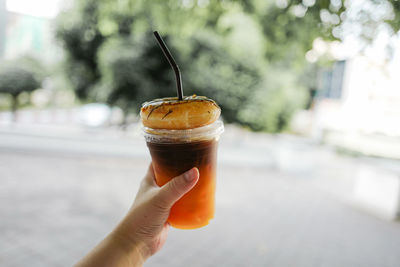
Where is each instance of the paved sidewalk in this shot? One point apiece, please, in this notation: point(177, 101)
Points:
point(55, 208)
point(55, 205)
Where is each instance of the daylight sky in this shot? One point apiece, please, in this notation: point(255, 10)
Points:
point(37, 8)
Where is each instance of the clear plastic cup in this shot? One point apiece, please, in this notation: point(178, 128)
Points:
point(175, 151)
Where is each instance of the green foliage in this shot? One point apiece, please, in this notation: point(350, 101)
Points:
point(133, 71)
point(247, 55)
point(81, 38)
point(15, 80)
point(394, 22)
point(20, 77)
point(210, 70)
point(271, 106)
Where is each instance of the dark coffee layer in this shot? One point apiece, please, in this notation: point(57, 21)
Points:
point(174, 159)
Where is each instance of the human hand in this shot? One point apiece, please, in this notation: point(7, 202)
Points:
point(144, 229)
point(146, 222)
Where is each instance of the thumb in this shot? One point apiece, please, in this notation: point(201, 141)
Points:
point(177, 187)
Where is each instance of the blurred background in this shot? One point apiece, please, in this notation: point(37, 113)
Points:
point(309, 164)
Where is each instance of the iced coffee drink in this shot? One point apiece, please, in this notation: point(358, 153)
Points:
point(182, 134)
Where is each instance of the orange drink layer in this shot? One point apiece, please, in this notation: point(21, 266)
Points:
point(197, 207)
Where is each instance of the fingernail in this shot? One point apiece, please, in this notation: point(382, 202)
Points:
point(190, 175)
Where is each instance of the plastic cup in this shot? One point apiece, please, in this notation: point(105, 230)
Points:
point(175, 151)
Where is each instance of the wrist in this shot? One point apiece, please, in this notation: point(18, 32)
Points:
point(114, 250)
point(133, 250)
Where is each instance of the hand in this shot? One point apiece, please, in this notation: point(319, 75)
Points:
point(147, 219)
point(144, 229)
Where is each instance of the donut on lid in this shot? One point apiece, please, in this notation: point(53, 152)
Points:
point(170, 113)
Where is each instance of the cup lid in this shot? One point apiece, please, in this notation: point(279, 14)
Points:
point(206, 132)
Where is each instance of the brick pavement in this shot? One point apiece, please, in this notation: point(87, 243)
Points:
point(55, 207)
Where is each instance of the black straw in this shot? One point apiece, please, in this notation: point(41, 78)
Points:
point(173, 64)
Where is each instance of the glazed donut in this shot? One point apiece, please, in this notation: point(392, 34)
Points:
point(170, 113)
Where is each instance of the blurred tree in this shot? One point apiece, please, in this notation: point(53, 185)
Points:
point(83, 29)
point(16, 79)
point(227, 50)
point(79, 32)
point(272, 105)
point(130, 70)
point(212, 71)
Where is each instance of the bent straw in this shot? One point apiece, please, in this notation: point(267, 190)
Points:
point(173, 64)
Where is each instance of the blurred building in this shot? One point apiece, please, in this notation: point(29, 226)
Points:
point(358, 104)
point(25, 30)
point(2, 26)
